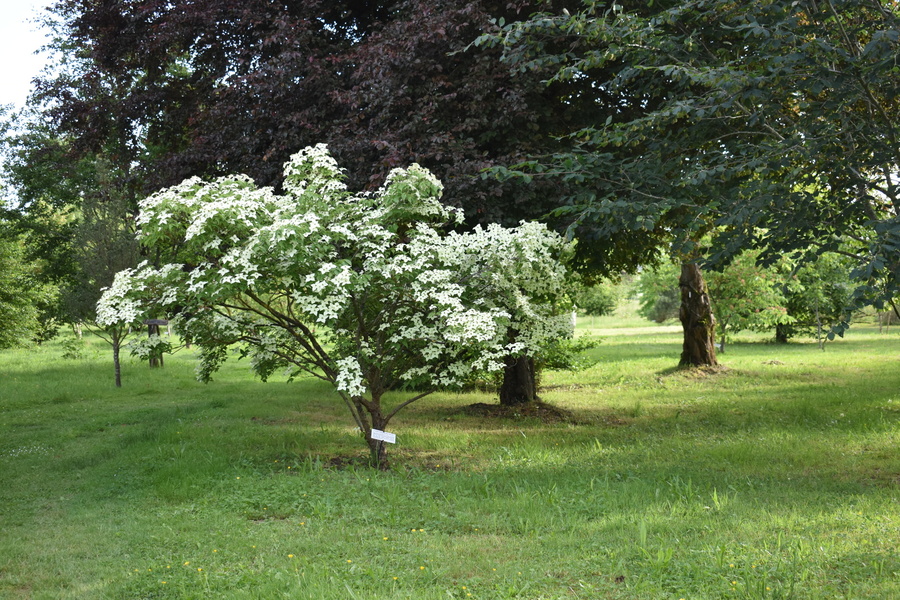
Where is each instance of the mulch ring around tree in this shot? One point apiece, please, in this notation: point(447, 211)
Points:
point(541, 411)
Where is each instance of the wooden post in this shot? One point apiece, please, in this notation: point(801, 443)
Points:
point(153, 328)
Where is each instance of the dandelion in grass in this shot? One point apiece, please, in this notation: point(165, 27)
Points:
point(290, 556)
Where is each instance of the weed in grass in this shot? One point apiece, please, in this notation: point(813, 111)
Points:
point(73, 348)
point(637, 410)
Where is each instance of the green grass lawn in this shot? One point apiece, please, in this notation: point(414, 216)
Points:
point(776, 478)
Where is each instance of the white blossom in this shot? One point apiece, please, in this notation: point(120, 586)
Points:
point(116, 304)
point(349, 377)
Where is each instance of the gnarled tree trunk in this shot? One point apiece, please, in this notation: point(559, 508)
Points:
point(519, 383)
point(699, 349)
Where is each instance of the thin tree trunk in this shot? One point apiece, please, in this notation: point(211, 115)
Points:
point(519, 382)
point(699, 349)
point(116, 345)
point(377, 452)
point(819, 327)
point(377, 449)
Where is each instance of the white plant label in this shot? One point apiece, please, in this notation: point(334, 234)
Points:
point(384, 436)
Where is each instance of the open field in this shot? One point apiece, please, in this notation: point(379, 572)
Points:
point(776, 478)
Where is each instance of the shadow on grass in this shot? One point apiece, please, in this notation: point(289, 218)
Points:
point(790, 427)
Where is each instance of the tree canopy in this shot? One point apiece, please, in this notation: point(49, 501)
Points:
point(771, 124)
point(177, 89)
point(144, 95)
point(748, 296)
point(18, 295)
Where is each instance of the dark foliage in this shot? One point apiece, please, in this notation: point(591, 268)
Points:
point(775, 122)
point(168, 90)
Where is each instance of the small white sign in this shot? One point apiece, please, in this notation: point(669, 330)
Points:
point(384, 436)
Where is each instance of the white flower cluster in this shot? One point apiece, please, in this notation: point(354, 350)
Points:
point(120, 303)
point(148, 347)
point(30, 450)
point(374, 279)
point(349, 377)
point(313, 169)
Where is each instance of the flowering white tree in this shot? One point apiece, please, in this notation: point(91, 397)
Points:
point(367, 292)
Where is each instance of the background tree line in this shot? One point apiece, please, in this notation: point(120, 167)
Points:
point(707, 132)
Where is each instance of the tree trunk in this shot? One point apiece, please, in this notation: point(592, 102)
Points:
point(699, 349)
point(116, 345)
point(781, 333)
point(377, 452)
point(377, 449)
point(519, 384)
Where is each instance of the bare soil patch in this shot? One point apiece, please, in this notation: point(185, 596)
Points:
point(546, 413)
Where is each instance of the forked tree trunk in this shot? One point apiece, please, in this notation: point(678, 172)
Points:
point(519, 383)
point(699, 349)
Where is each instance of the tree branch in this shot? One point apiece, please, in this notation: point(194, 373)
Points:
point(407, 403)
